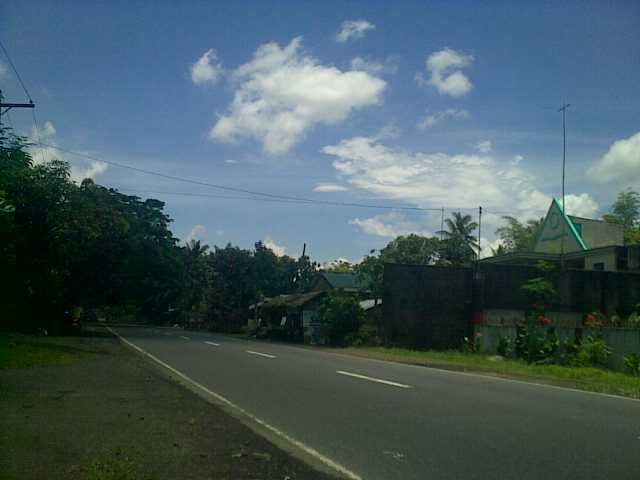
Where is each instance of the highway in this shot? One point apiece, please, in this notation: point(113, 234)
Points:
point(379, 420)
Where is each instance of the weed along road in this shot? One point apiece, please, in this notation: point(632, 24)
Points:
point(377, 420)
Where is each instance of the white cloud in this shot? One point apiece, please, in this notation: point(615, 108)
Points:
point(373, 67)
point(353, 29)
point(440, 179)
point(620, 163)
point(517, 159)
point(390, 225)
point(270, 243)
point(196, 233)
point(582, 205)
point(445, 72)
point(485, 147)
point(231, 162)
point(435, 118)
point(329, 187)
point(282, 92)
point(207, 69)
point(80, 168)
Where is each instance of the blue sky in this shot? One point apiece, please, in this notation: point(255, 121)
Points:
point(422, 104)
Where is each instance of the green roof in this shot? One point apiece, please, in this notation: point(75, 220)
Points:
point(345, 281)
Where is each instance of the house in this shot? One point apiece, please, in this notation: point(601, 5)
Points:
point(582, 243)
point(345, 281)
point(295, 315)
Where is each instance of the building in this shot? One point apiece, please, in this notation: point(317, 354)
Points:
point(345, 281)
point(582, 243)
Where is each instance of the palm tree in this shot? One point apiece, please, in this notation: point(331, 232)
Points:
point(460, 244)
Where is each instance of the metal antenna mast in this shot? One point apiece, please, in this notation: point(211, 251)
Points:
point(563, 109)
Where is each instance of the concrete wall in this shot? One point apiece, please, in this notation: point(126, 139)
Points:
point(607, 257)
point(622, 341)
point(510, 318)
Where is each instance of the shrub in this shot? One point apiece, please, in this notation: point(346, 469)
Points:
point(342, 315)
point(593, 352)
point(632, 364)
point(504, 346)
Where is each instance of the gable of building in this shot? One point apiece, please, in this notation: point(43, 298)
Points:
point(558, 233)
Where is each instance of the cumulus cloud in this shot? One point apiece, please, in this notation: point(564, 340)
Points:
point(282, 92)
point(581, 205)
point(445, 70)
point(517, 159)
point(270, 243)
point(80, 168)
point(196, 233)
point(207, 69)
point(485, 146)
point(440, 179)
point(353, 29)
point(390, 225)
point(620, 163)
point(438, 117)
point(329, 187)
point(373, 67)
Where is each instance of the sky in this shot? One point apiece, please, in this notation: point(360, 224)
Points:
point(410, 106)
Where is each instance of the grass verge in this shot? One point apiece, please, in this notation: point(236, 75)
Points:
point(20, 351)
point(584, 378)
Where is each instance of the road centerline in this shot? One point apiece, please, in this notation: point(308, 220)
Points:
point(214, 344)
point(266, 355)
point(373, 379)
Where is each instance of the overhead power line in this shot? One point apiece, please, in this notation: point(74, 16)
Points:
point(242, 190)
point(15, 70)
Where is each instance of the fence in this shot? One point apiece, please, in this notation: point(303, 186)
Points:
point(436, 307)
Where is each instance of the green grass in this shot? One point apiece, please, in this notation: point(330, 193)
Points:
point(21, 351)
point(584, 378)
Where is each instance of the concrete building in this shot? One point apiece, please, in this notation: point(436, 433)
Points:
point(582, 243)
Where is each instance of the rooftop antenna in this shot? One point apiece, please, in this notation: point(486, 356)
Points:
point(563, 109)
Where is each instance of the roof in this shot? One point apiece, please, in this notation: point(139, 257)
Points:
point(343, 280)
point(294, 300)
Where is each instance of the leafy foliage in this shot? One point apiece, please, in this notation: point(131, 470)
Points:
point(517, 236)
point(67, 246)
point(626, 211)
point(342, 316)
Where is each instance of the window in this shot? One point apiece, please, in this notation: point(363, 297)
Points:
point(598, 266)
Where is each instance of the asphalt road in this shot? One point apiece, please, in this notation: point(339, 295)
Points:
point(381, 420)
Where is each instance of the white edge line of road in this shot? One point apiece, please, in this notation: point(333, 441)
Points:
point(266, 355)
point(308, 450)
point(213, 344)
point(184, 338)
point(373, 379)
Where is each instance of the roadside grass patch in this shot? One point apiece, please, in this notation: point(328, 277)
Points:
point(22, 351)
point(584, 378)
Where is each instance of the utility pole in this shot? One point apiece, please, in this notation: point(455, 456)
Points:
point(9, 106)
point(563, 109)
point(479, 232)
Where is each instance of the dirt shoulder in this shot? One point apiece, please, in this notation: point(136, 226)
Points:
point(110, 415)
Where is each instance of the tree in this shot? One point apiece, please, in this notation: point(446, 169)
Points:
point(626, 211)
point(459, 245)
point(342, 315)
point(340, 266)
point(517, 236)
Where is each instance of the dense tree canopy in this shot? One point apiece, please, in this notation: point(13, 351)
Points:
point(66, 246)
